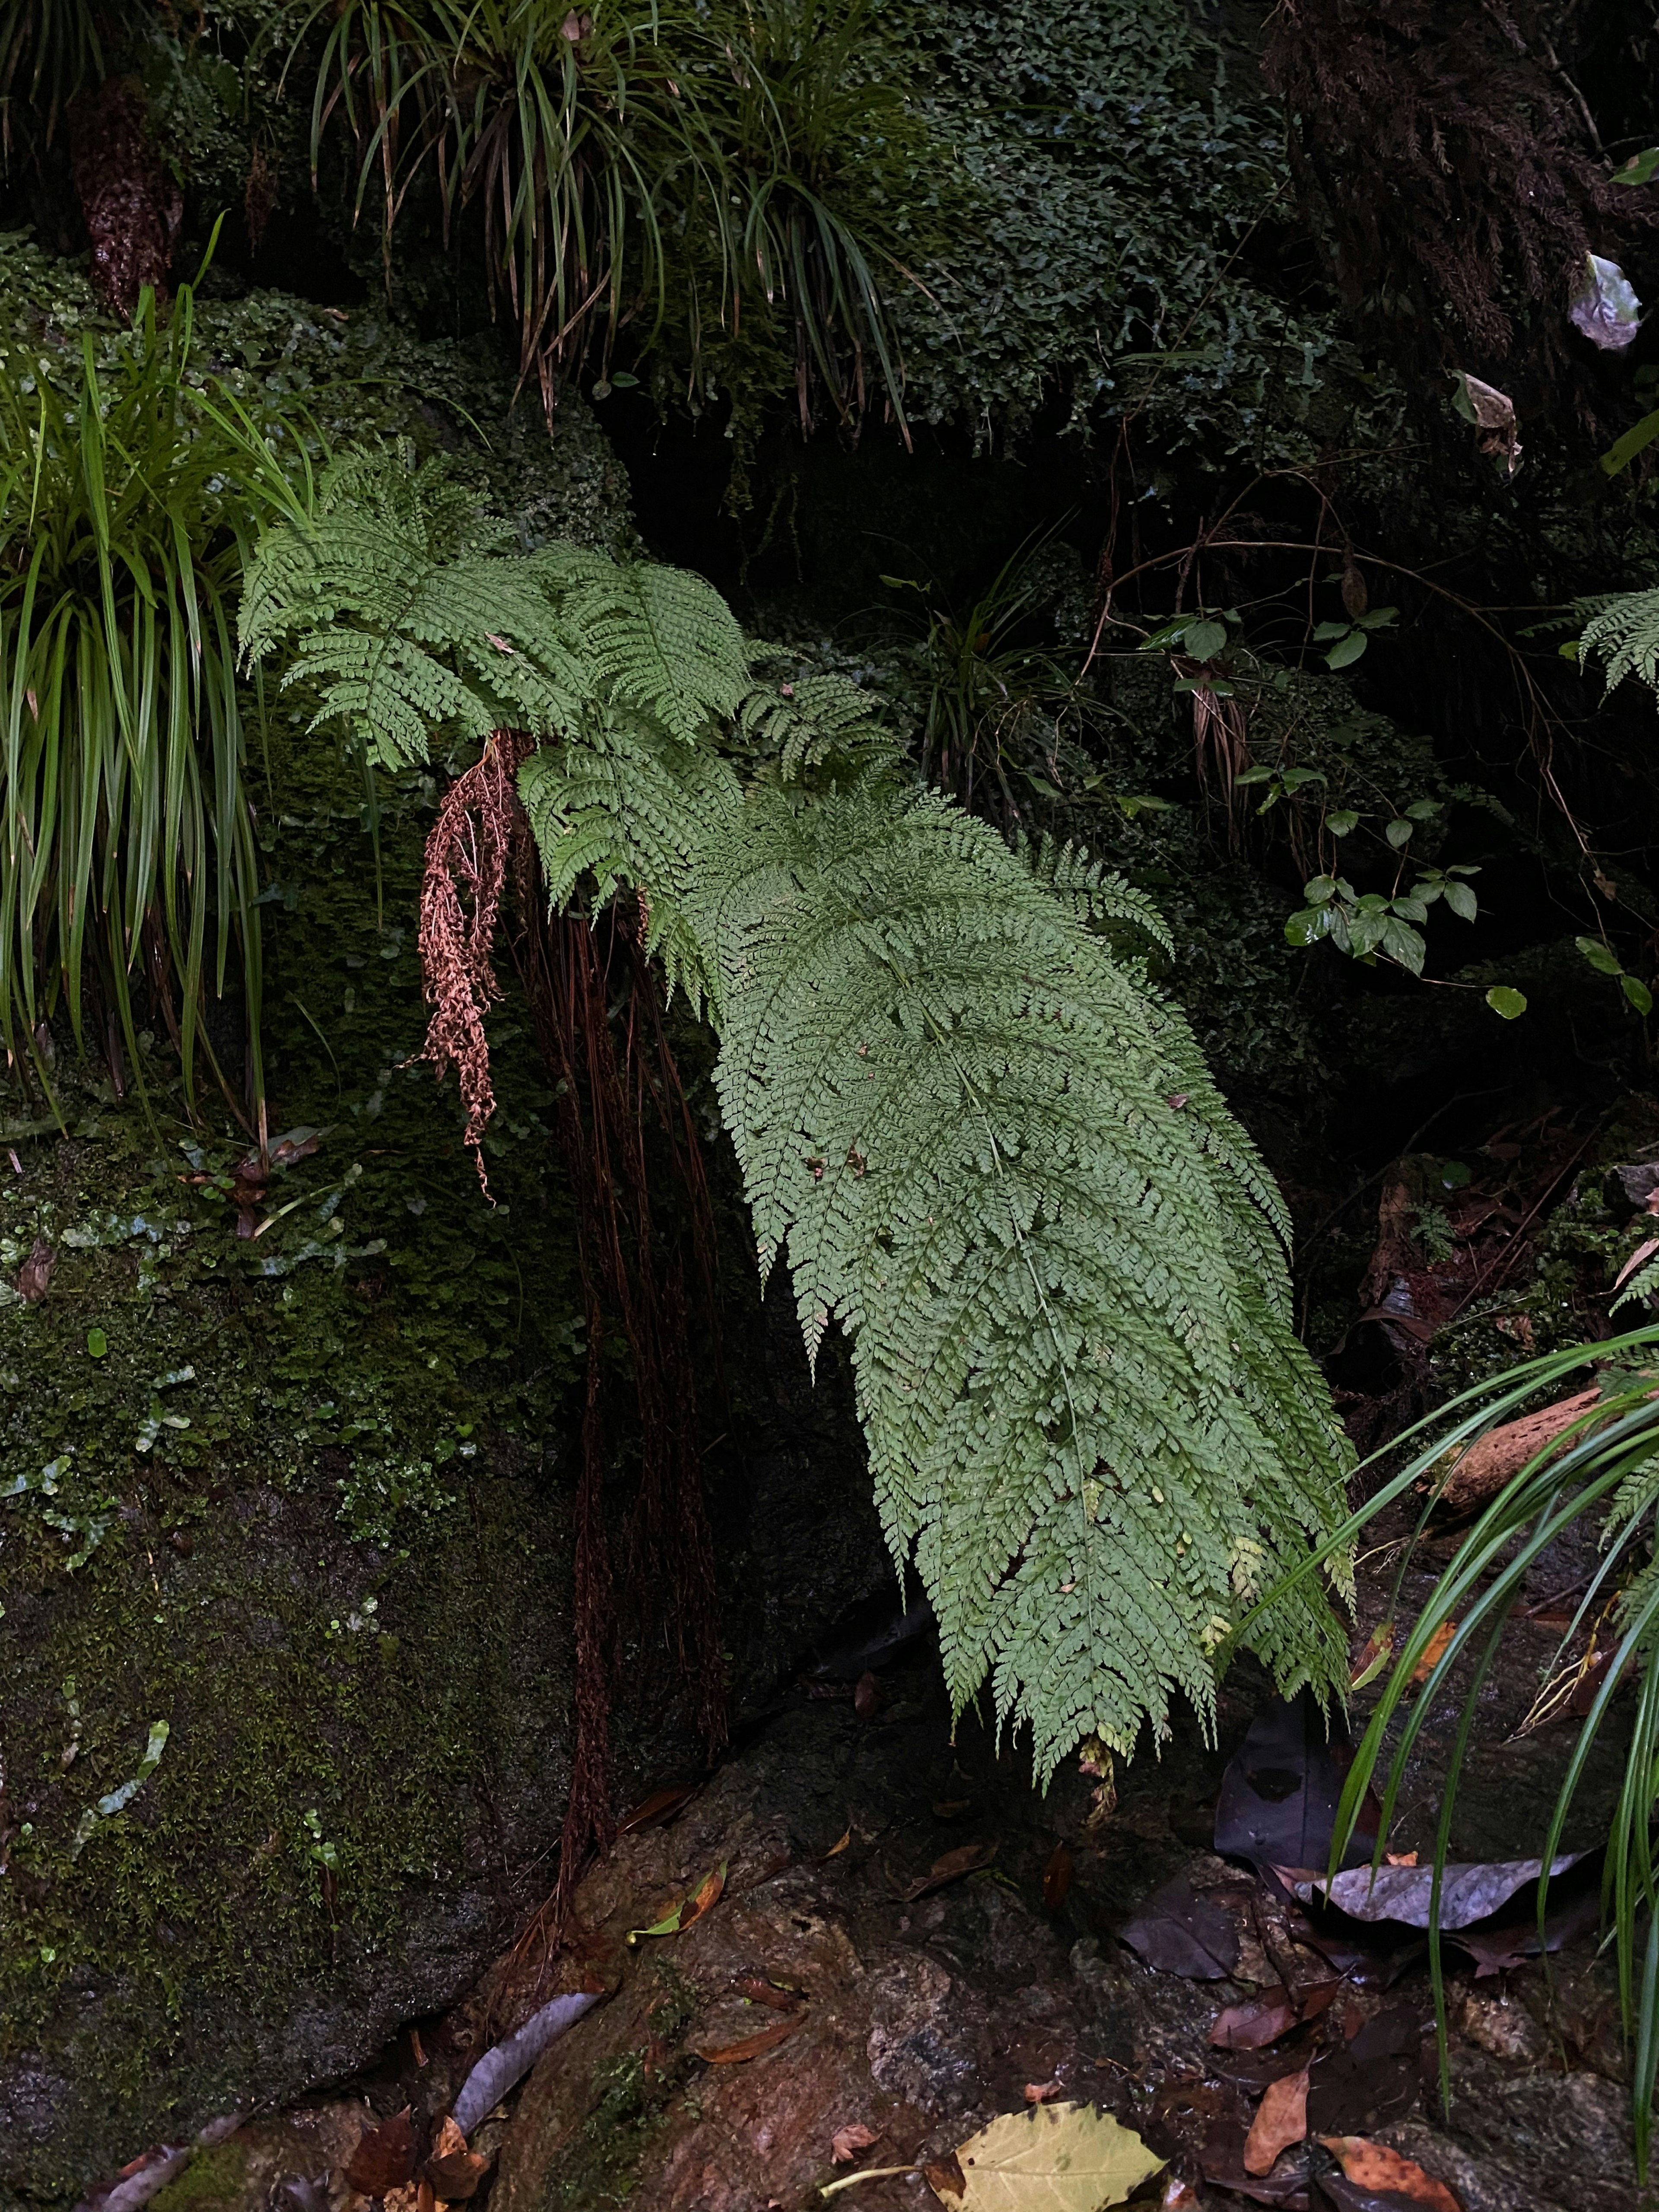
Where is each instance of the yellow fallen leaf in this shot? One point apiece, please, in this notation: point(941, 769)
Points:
point(1055, 2158)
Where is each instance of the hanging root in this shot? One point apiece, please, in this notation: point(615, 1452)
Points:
point(467, 855)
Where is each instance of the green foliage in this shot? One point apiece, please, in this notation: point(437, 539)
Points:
point(49, 50)
point(1623, 633)
point(995, 1155)
point(127, 501)
point(1603, 1469)
point(633, 163)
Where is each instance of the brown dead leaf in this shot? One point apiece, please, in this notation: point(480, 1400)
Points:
point(751, 2046)
point(1434, 1651)
point(758, 1990)
point(1056, 1878)
point(406, 2199)
point(837, 1848)
point(847, 2142)
point(1379, 1649)
point(967, 1858)
point(866, 1697)
point(1043, 2092)
point(1281, 2119)
point(946, 2179)
point(656, 1810)
point(676, 1918)
point(453, 2172)
point(951, 1808)
point(1262, 2020)
point(34, 1276)
point(1180, 2195)
point(1373, 2166)
point(1400, 1858)
point(385, 2156)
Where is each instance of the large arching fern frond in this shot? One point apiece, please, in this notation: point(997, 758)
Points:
point(992, 1150)
point(1000, 1167)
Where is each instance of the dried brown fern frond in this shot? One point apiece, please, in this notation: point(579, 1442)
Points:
point(1451, 156)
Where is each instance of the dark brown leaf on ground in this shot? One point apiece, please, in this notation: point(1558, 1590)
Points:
point(967, 1858)
point(758, 1990)
point(1179, 1932)
point(1496, 1949)
point(385, 2156)
point(1345, 2196)
point(1223, 2167)
point(751, 2046)
point(848, 2142)
point(1371, 2079)
point(658, 1808)
point(946, 2179)
point(866, 1697)
point(1280, 1793)
point(1281, 2119)
point(1261, 2020)
point(34, 1276)
point(1056, 1878)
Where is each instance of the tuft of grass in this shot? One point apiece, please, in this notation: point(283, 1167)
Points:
point(129, 501)
point(1604, 1469)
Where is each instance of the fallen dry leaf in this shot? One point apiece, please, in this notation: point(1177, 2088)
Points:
point(1405, 1893)
point(661, 1806)
point(1373, 2165)
point(1261, 2021)
point(751, 2046)
point(1055, 2158)
point(1434, 1651)
point(951, 1808)
point(34, 1276)
point(967, 1858)
point(1378, 1650)
point(847, 2142)
point(1281, 2119)
point(947, 2181)
point(1056, 1878)
point(1042, 2092)
point(680, 1916)
point(1180, 1931)
point(1179, 2196)
point(385, 2156)
point(866, 1697)
point(453, 2172)
point(758, 1990)
point(837, 1848)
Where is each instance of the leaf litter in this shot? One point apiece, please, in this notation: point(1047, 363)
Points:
point(1054, 2158)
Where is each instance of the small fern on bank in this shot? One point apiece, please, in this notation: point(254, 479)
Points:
point(1623, 633)
point(993, 1154)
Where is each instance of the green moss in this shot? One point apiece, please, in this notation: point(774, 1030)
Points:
point(216, 2177)
point(635, 2094)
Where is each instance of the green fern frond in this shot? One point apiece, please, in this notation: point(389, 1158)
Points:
point(1088, 1415)
point(1626, 636)
point(801, 726)
point(626, 806)
point(995, 1157)
point(404, 626)
point(659, 641)
point(1094, 892)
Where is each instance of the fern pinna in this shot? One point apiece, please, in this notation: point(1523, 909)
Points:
point(990, 1150)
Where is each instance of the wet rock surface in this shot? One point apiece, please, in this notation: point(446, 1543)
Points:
point(822, 1993)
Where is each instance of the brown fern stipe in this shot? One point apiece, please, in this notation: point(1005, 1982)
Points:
point(132, 207)
point(615, 1080)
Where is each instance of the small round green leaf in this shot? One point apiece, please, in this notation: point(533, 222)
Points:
point(1637, 993)
point(1341, 822)
point(1399, 831)
point(1505, 1000)
point(1204, 639)
point(97, 1343)
point(1319, 889)
point(1347, 650)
